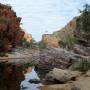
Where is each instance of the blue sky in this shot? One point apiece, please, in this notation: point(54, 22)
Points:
point(45, 16)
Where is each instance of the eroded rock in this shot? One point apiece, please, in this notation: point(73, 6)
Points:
point(62, 76)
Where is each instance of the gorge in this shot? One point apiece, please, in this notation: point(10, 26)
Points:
point(61, 60)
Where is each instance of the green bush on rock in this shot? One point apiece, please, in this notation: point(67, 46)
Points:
point(32, 45)
point(67, 41)
point(82, 66)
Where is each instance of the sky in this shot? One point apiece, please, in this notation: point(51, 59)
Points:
point(45, 16)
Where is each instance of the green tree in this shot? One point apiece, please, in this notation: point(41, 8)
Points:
point(86, 19)
point(83, 23)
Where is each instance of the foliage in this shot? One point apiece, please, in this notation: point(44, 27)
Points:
point(83, 22)
point(41, 45)
point(67, 41)
point(32, 44)
point(83, 65)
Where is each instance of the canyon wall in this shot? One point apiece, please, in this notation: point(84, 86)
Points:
point(53, 40)
point(10, 31)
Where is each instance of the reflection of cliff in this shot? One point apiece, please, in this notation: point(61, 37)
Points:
point(10, 30)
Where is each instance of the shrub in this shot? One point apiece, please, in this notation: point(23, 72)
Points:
point(32, 45)
point(83, 65)
point(41, 45)
point(83, 24)
point(67, 41)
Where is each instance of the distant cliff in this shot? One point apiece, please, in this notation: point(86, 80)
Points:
point(54, 40)
point(50, 41)
point(28, 37)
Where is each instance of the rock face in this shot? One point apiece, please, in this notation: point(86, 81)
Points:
point(57, 87)
point(79, 49)
point(54, 40)
point(62, 76)
point(88, 73)
point(50, 41)
point(10, 30)
point(57, 57)
point(28, 37)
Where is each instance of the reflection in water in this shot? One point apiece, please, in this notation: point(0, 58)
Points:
point(25, 85)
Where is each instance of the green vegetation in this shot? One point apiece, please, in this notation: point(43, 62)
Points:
point(83, 65)
point(83, 23)
point(41, 45)
point(32, 44)
point(67, 41)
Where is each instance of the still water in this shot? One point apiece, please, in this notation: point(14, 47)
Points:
point(26, 85)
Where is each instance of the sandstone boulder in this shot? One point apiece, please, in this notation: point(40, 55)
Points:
point(62, 76)
point(88, 73)
point(57, 87)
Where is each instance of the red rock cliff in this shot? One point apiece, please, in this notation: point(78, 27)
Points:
point(10, 30)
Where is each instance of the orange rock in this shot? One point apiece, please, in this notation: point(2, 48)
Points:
point(28, 37)
point(50, 41)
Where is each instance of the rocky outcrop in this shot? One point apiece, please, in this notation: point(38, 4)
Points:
point(57, 87)
point(62, 76)
point(50, 41)
point(79, 49)
point(61, 87)
point(88, 73)
point(10, 30)
point(57, 57)
point(28, 37)
point(55, 39)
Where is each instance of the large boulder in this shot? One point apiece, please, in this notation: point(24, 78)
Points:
point(79, 49)
point(57, 57)
point(88, 73)
point(57, 87)
point(62, 76)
